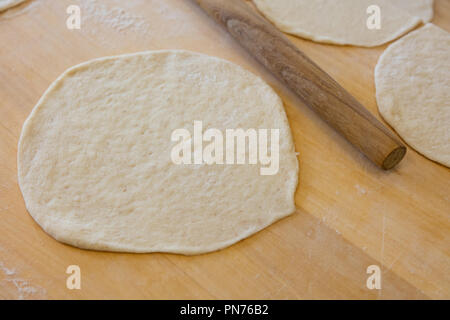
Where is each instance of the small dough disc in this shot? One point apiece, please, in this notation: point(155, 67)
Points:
point(6, 4)
point(412, 83)
point(422, 9)
point(338, 21)
point(95, 165)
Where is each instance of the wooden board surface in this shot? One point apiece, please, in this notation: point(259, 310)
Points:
point(350, 214)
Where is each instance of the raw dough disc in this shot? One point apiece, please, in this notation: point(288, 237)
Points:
point(422, 9)
point(6, 4)
point(95, 166)
point(412, 83)
point(340, 22)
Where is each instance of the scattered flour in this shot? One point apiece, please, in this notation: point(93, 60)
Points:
point(6, 271)
point(175, 17)
point(116, 18)
point(361, 190)
point(24, 288)
point(117, 15)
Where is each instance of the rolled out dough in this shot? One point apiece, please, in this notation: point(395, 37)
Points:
point(413, 95)
point(422, 9)
point(94, 158)
point(340, 22)
point(6, 4)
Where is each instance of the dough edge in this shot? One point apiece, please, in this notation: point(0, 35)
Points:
point(266, 11)
point(9, 4)
point(384, 114)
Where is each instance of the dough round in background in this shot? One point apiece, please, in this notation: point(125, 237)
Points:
point(422, 9)
point(412, 83)
point(6, 4)
point(95, 165)
point(341, 22)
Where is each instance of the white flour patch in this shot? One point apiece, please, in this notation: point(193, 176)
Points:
point(115, 18)
point(99, 20)
point(176, 18)
point(23, 287)
point(25, 290)
point(7, 271)
point(361, 190)
point(331, 216)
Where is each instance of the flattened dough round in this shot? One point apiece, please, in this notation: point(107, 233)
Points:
point(6, 4)
point(94, 158)
point(413, 95)
point(422, 9)
point(341, 22)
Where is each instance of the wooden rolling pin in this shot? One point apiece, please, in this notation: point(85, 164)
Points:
point(313, 85)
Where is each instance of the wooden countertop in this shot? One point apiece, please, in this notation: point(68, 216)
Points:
point(350, 214)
